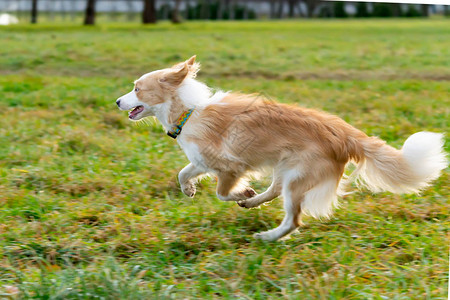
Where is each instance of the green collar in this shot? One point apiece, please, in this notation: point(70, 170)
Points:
point(176, 129)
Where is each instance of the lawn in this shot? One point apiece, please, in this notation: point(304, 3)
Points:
point(90, 204)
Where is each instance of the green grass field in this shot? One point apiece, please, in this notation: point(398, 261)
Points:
point(90, 205)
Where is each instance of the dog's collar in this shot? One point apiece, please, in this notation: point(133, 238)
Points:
point(176, 129)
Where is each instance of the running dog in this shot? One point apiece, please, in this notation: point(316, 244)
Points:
point(231, 134)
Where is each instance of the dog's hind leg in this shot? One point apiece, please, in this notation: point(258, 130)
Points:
point(231, 188)
point(292, 197)
point(271, 193)
point(313, 195)
point(186, 177)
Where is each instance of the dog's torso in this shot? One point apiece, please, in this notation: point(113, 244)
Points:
point(245, 132)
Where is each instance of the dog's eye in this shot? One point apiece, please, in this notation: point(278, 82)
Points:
point(136, 89)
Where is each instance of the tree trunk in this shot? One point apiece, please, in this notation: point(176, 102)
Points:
point(292, 4)
point(206, 5)
point(186, 9)
point(34, 11)
point(176, 17)
point(280, 9)
point(425, 10)
point(396, 9)
point(221, 4)
point(231, 9)
point(272, 9)
point(245, 12)
point(89, 18)
point(311, 7)
point(149, 13)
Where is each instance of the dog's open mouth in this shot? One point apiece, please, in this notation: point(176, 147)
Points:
point(138, 109)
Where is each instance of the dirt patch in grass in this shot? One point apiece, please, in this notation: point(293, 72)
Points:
point(334, 75)
point(285, 76)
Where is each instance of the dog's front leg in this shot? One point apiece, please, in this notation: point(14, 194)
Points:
point(186, 177)
point(271, 193)
point(229, 189)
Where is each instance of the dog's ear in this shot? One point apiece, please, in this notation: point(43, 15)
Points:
point(176, 75)
point(194, 67)
point(180, 71)
point(190, 62)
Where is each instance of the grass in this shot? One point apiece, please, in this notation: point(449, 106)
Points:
point(90, 207)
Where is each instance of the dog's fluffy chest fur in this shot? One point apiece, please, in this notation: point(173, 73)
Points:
point(191, 150)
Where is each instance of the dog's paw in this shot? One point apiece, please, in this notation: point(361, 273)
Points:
point(247, 203)
point(249, 192)
point(243, 203)
point(246, 193)
point(189, 189)
point(264, 236)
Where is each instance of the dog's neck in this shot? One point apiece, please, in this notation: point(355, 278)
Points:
point(176, 109)
point(168, 112)
point(194, 94)
point(191, 94)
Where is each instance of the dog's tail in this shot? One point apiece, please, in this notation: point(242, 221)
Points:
point(384, 168)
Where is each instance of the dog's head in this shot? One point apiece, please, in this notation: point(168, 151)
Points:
point(155, 88)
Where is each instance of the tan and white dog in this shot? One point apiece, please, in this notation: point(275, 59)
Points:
point(230, 135)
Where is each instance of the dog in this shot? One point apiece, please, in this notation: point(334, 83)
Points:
point(231, 135)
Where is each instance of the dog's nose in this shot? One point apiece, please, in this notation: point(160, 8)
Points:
point(118, 102)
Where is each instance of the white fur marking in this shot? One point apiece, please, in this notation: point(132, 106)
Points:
point(129, 101)
point(192, 152)
point(161, 112)
point(424, 153)
point(195, 94)
point(287, 225)
point(319, 200)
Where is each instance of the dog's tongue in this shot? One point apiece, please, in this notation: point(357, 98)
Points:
point(135, 111)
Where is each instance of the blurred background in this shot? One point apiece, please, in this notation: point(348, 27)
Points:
point(150, 11)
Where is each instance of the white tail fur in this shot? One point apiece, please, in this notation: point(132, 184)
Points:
point(408, 170)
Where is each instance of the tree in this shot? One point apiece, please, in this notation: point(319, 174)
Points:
point(279, 12)
point(339, 10)
point(412, 11)
point(205, 11)
point(396, 10)
point(383, 10)
point(425, 10)
point(89, 17)
point(361, 10)
point(311, 6)
point(220, 9)
point(272, 9)
point(176, 17)
point(34, 11)
point(149, 13)
point(292, 4)
point(231, 9)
